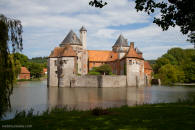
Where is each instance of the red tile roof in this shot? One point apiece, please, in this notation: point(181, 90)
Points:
point(24, 70)
point(147, 65)
point(65, 51)
point(44, 70)
point(132, 52)
point(102, 56)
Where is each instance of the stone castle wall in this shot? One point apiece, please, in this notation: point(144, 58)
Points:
point(67, 72)
point(52, 79)
point(114, 81)
point(135, 72)
point(68, 78)
point(84, 62)
point(85, 81)
point(60, 71)
point(99, 81)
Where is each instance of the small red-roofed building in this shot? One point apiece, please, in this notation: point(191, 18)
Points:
point(44, 71)
point(24, 73)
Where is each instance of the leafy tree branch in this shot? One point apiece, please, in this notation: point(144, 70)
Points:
point(173, 12)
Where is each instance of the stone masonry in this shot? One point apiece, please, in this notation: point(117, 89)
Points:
point(69, 64)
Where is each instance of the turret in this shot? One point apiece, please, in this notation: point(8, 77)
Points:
point(134, 67)
point(121, 52)
point(71, 39)
point(121, 45)
point(83, 37)
point(138, 52)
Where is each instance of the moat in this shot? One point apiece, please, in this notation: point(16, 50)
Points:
point(36, 95)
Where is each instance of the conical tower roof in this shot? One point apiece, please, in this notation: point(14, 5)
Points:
point(83, 29)
point(138, 51)
point(71, 39)
point(132, 53)
point(121, 41)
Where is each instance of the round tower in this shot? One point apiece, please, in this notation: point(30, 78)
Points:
point(121, 52)
point(83, 37)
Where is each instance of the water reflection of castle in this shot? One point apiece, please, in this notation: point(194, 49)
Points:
point(92, 97)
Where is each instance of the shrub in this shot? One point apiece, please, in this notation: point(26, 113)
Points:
point(93, 73)
point(105, 69)
point(99, 111)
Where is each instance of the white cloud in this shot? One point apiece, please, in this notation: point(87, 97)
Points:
point(153, 33)
point(47, 22)
point(105, 33)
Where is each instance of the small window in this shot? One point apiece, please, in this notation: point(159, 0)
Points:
point(130, 62)
point(110, 56)
point(55, 62)
point(65, 61)
point(61, 62)
point(56, 72)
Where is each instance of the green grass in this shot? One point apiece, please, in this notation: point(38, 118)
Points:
point(164, 116)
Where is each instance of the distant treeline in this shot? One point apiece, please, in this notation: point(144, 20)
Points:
point(151, 62)
point(177, 65)
point(39, 59)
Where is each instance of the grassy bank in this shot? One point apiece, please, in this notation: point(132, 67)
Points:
point(33, 79)
point(185, 84)
point(157, 116)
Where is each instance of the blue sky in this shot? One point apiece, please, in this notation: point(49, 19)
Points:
point(47, 22)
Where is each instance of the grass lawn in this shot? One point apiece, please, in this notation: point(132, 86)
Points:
point(157, 116)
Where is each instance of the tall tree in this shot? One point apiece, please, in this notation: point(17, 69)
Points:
point(35, 69)
point(21, 57)
point(173, 12)
point(177, 65)
point(168, 74)
point(10, 35)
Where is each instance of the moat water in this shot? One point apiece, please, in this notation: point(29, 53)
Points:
point(35, 95)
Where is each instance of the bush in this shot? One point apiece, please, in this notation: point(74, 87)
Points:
point(35, 69)
point(104, 69)
point(177, 65)
point(99, 111)
point(93, 73)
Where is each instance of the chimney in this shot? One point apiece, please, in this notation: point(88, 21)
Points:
point(131, 44)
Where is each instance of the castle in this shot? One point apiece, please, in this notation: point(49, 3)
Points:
point(69, 64)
